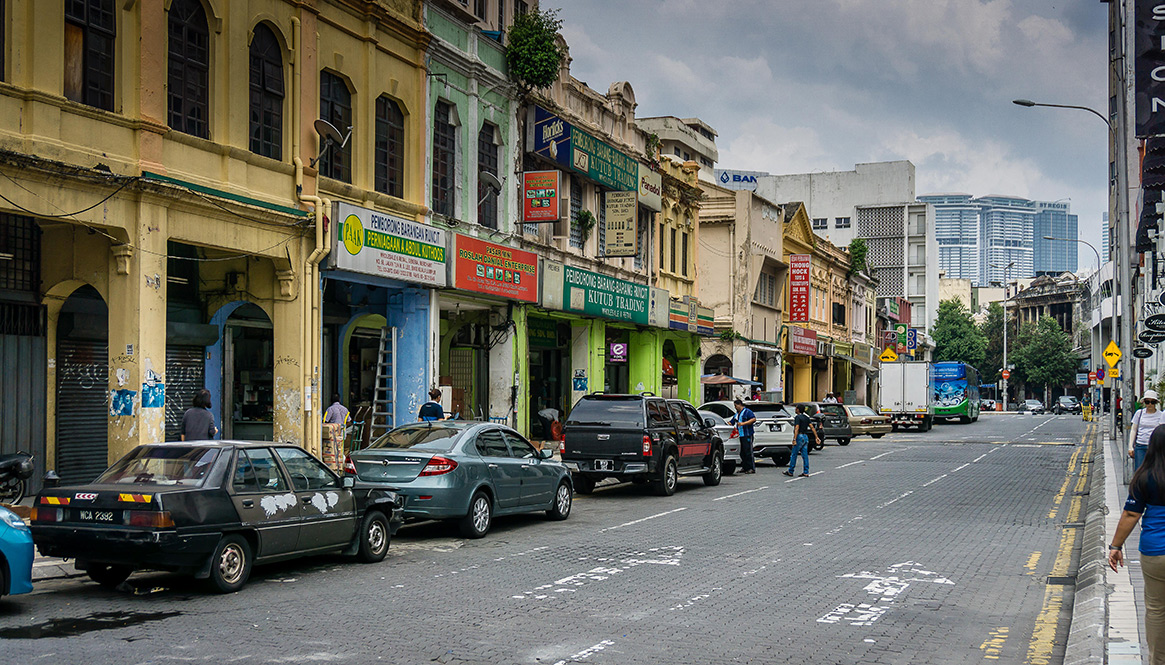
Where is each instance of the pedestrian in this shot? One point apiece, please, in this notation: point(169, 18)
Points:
point(337, 413)
point(432, 409)
point(1144, 422)
point(829, 399)
point(1147, 501)
point(802, 428)
point(548, 416)
point(335, 428)
point(745, 421)
point(198, 421)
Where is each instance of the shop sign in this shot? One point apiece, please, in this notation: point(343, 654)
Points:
point(620, 216)
point(682, 315)
point(802, 341)
point(559, 141)
point(541, 332)
point(1149, 68)
point(650, 189)
point(599, 295)
point(799, 267)
point(705, 320)
point(540, 190)
point(617, 352)
point(892, 307)
point(375, 243)
point(496, 270)
point(659, 309)
point(551, 284)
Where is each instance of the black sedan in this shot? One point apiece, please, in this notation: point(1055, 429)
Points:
point(211, 509)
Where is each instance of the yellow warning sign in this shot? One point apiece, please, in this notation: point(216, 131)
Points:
point(888, 356)
point(1114, 373)
point(1112, 354)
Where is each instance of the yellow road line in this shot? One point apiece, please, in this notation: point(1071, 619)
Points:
point(992, 647)
point(1032, 562)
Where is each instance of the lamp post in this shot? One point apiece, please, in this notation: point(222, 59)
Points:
point(1121, 272)
point(1091, 357)
point(1006, 296)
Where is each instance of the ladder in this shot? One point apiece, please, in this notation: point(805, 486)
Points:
point(383, 416)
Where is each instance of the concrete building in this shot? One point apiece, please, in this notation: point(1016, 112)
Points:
point(956, 289)
point(1063, 298)
point(1054, 257)
point(685, 140)
point(956, 223)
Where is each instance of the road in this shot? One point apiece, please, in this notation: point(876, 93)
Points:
point(941, 547)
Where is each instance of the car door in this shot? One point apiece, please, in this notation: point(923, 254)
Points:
point(264, 501)
point(701, 434)
point(505, 472)
point(539, 479)
point(688, 440)
point(327, 510)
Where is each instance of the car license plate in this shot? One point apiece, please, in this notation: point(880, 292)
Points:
point(604, 465)
point(95, 515)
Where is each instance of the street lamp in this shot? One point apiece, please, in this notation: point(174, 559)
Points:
point(1121, 272)
point(1006, 292)
point(1091, 358)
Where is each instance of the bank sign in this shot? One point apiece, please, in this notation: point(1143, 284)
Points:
point(563, 143)
point(375, 243)
point(738, 179)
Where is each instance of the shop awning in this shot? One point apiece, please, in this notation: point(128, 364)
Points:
point(860, 363)
point(763, 346)
point(725, 380)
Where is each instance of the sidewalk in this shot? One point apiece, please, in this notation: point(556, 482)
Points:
point(1124, 643)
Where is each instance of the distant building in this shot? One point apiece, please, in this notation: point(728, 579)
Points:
point(1053, 257)
point(685, 140)
point(956, 230)
point(955, 289)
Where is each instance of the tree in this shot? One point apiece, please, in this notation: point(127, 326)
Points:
point(1045, 354)
point(533, 54)
point(992, 329)
point(857, 256)
point(956, 337)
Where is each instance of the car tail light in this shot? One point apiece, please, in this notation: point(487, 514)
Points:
point(47, 515)
point(735, 433)
point(865, 421)
point(646, 446)
point(157, 519)
point(438, 466)
point(349, 467)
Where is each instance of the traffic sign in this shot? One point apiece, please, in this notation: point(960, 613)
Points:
point(912, 339)
point(1092, 376)
point(1005, 374)
point(888, 356)
point(1114, 373)
point(1100, 374)
point(1142, 352)
point(1112, 354)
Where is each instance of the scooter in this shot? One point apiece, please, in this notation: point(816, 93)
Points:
point(14, 471)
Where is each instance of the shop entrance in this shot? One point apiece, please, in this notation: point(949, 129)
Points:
point(669, 381)
point(82, 387)
point(248, 376)
point(465, 342)
point(617, 371)
point(717, 364)
point(549, 368)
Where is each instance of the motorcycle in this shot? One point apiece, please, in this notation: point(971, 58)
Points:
point(15, 470)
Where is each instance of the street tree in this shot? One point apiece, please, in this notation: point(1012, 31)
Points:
point(1044, 354)
point(533, 54)
point(992, 329)
point(956, 337)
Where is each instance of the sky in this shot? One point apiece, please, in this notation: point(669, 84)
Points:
point(802, 86)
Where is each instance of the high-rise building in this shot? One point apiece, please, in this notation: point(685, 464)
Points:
point(1054, 257)
point(956, 230)
point(1006, 226)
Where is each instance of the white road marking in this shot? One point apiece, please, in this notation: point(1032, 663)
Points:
point(887, 453)
point(887, 588)
point(960, 468)
point(659, 556)
point(934, 481)
point(814, 474)
point(586, 653)
point(979, 458)
point(900, 496)
point(720, 498)
point(850, 464)
point(651, 517)
point(693, 600)
point(1024, 445)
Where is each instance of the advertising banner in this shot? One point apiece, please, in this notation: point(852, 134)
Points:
point(375, 243)
point(494, 269)
point(621, 235)
point(650, 189)
point(540, 196)
point(565, 144)
point(598, 295)
point(802, 341)
point(552, 284)
point(799, 266)
point(1149, 68)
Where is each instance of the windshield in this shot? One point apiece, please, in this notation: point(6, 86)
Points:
point(162, 465)
point(607, 413)
point(862, 411)
point(763, 410)
point(438, 437)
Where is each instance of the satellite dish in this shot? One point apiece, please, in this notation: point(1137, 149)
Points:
point(489, 180)
point(329, 132)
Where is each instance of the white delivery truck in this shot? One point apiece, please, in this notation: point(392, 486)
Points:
point(907, 394)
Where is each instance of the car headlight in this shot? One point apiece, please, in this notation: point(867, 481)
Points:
point(11, 519)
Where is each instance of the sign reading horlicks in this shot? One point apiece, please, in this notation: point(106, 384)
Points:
point(551, 136)
point(738, 179)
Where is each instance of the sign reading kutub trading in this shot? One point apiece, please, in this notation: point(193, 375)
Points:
point(494, 269)
point(799, 266)
point(375, 243)
point(1149, 68)
point(574, 290)
point(540, 196)
point(563, 143)
point(621, 234)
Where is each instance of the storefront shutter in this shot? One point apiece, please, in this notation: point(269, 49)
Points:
point(185, 376)
point(82, 409)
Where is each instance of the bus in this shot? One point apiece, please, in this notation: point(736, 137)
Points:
point(956, 391)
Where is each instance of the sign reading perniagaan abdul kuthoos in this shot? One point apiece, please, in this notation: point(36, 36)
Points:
point(376, 243)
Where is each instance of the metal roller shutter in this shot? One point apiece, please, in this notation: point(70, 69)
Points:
point(185, 376)
point(82, 409)
point(22, 411)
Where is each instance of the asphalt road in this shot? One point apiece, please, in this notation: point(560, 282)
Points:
point(943, 547)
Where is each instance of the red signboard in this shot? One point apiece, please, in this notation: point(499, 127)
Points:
point(1006, 374)
point(540, 196)
point(494, 269)
point(802, 341)
point(1092, 376)
point(799, 288)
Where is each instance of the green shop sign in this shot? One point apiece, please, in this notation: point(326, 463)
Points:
point(598, 295)
point(603, 163)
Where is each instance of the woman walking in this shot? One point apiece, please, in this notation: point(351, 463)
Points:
point(1147, 502)
point(1144, 422)
point(198, 421)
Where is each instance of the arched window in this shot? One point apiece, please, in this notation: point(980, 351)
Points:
point(390, 139)
point(336, 108)
point(487, 160)
point(266, 104)
point(189, 68)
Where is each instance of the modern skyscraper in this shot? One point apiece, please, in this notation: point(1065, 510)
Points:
point(1006, 226)
point(956, 228)
point(1053, 257)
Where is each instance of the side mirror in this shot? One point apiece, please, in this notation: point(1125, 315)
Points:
point(546, 453)
point(708, 422)
point(347, 482)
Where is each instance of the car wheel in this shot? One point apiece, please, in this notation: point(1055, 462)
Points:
point(781, 458)
point(374, 538)
point(665, 485)
point(107, 575)
point(729, 468)
point(230, 566)
point(584, 484)
point(843, 442)
point(563, 499)
point(712, 478)
point(477, 521)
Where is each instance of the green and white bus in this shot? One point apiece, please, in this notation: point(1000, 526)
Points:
point(956, 391)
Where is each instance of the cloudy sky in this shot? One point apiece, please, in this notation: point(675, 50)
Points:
point(798, 86)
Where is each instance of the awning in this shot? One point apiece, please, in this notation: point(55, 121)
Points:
point(764, 347)
point(725, 380)
point(864, 365)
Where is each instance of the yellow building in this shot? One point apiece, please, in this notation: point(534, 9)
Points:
point(160, 203)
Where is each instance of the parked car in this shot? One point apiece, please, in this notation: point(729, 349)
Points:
point(16, 554)
point(466, 471)
point(1067, 404)
point(773, 432)
point(1033, 405)
point(864, 420)
point(986, 405)
point(641, 438)
point(729, 436)
point(833, 419)
point(212, 509)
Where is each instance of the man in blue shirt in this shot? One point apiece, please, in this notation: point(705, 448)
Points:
point(744, 420)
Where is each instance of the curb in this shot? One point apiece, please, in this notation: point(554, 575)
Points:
point(1086, 634)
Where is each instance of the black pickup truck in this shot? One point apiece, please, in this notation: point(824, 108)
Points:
point(641, 438)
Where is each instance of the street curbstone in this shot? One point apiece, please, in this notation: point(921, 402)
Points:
point(1086, 633)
